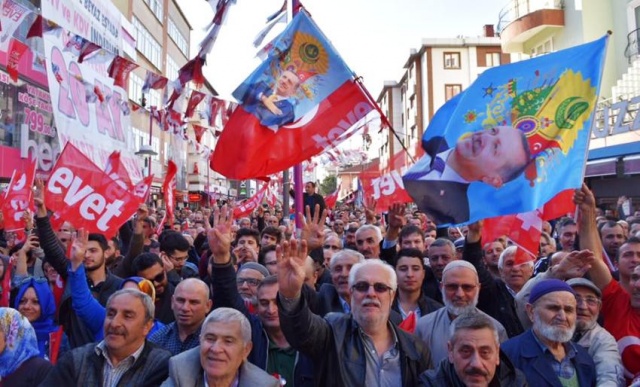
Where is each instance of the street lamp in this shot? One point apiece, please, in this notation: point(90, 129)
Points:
point(147, 150)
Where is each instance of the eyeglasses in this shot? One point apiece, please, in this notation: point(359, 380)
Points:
point(363, 287)
point(159, 278)
point(591, 301)
point(454, 287)
point(250, 281)
point(330, 247)
point(271, 263)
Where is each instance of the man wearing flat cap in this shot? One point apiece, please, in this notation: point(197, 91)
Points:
point(545, 353)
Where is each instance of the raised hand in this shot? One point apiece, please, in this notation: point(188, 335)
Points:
point(291, 260)
point(396, 215)
point(475, 232)
point(27, 217)
point(584, 199)
point(576, 264)
point(370, 209)
point(219, 236)
point(38, 199)
point(313, 227)
point(78, 248)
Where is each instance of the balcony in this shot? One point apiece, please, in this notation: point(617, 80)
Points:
point(522, 20)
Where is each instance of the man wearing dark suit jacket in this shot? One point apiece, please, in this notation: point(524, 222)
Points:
point(439, 181)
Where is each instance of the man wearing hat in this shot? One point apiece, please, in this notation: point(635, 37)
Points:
point(599, 343)
point(545, 352)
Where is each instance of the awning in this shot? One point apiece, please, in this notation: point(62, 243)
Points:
point(631, 164)
point(602, 167)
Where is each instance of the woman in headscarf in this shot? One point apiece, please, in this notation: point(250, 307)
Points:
point(20, 364)
point(35, 301)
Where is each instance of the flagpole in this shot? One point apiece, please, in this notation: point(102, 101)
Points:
point(294, 6)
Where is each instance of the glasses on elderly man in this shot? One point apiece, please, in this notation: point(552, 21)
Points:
point(591, 301)
point(331, 247)
point(250, 281)
point(363, 287)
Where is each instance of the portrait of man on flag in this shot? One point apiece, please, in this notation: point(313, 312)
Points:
point(295, 78)
point(511, 141)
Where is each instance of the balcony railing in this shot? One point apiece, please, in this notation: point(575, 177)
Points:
point(632, 49)
point(516, 9)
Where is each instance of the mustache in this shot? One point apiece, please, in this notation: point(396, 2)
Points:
point(473, 371)
point(116, 331)
point(368, 302)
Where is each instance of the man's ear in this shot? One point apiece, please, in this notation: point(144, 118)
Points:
point(494, 181)
point(529, 309)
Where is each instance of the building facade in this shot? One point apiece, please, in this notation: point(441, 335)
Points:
point(433, 74)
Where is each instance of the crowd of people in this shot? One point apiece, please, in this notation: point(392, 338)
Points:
point(351, 298)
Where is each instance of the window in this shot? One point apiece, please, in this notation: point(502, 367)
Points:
point(451, 60)
point(492, 59)
point(451, 91)
point(153, 99)
point(135, 88)
point(156, 8)
point(172, 69)
point(147, 45)
point(178, 38)
point(542, 48)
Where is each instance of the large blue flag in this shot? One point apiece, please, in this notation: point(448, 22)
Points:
point(512, 140)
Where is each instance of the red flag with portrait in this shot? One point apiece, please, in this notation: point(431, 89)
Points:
point(295, 105)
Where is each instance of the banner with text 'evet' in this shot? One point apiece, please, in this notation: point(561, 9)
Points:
point(79, 192)
point(299, 102)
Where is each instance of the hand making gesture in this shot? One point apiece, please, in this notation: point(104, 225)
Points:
point(313, 227)
point(219, 236)
point(291, 261)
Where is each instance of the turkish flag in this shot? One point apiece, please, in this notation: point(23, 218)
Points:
point(246, 149)
point(194, 100)
point(409, 323)
point(385, 189)
point(199, 131)
point(80, 192)
point(18, 197)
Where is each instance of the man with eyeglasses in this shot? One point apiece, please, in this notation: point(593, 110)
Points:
point(190, 304)
point(599, 343)
point(358, 349)
point(249, 276)
point(460, 289)
point(149, 266)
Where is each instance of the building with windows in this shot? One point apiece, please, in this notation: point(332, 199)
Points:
point(532, 28)
point(433, 74)
point(162, 35)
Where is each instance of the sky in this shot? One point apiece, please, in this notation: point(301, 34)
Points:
point(374, 37)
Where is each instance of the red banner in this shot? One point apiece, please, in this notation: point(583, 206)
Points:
point(80, 192)
point(6, 286)
point(119, 70)
point(18, 197)
point(331, 200)
point(246, 149)
point(16, 50)
point(142, 189)
point(116, 170)
point(194, 100)
point(250, 204)
point(386, 189)
point(199, 131)
point(167, 189)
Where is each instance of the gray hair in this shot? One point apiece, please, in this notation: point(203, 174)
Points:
point(229, 315)
point(368, 227)
point(346, 254)
point(440, 242)
point(381, 265)
point(472, 321)
point(147, 302)
point(509, 252)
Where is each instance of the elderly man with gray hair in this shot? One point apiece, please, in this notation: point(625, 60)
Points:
point(124, 357)
point(221, 357)
point(474, 357)
point(358, 349)
point(460, 289)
